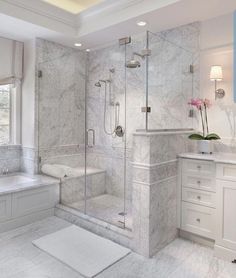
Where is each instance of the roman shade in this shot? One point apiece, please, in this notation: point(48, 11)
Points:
point(11, 61)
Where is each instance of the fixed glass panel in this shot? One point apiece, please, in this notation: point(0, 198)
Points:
point(170, 77)
point(61, 119)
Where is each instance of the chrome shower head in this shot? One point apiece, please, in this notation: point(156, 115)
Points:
point(132, 64)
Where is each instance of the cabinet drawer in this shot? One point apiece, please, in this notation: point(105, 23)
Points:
point(30, 201)
point(198, 220)
point(5, 207)
point(198, 182)
point(199, 167)
point(226, 172)
point(199, 197)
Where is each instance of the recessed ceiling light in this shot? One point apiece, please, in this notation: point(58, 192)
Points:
point(78, 44)
point(141, 23)
point(88, 50)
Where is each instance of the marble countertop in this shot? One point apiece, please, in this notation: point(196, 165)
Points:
point(216, 157)
point(9, 183)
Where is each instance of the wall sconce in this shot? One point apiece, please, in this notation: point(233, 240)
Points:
point(217, 75)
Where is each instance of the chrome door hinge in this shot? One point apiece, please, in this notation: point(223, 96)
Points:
point(39, 159)
point(146, 109)
point(40, 74)
point(191, 69)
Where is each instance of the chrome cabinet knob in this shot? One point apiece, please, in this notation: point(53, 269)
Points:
point(199, 197)
point(198, 182)
point(198, 220)
point(199, 167)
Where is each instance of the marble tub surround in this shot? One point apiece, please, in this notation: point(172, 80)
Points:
point(29, 160)
point(34, 181)
point(10, 158)
point(155, 189)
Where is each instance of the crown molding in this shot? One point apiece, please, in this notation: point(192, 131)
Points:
point(41, 13)
point(111, 12)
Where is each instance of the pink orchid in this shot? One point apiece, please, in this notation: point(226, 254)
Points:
point(197, 103)
point(202, 105)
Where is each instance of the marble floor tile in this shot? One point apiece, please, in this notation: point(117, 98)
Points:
point(180, 259)
point(106, 207)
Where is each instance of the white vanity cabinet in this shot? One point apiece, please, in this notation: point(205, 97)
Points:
point(197, 195)
point(226, 211)
point(207, 200)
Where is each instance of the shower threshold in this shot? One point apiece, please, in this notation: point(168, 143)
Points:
point(103, 210)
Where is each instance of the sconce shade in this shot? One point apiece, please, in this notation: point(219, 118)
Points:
point(216, 73)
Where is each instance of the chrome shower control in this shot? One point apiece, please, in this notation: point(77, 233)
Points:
point(119, 131)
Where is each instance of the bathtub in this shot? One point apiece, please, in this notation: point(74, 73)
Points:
point(25, 199)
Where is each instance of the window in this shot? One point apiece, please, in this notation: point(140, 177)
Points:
point(5, 114)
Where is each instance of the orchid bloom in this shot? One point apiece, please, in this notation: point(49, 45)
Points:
point(197, 103)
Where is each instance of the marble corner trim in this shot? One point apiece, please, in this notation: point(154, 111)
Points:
point(154, 165)
point(155, 183)
point(154, 173)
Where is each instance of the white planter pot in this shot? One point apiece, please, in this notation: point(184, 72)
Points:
point(205, 146)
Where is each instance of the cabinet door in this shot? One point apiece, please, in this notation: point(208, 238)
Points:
point(5, 207)
point(30, 201)
point(226, 214)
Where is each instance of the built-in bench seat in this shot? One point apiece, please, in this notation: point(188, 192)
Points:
point(73, 181)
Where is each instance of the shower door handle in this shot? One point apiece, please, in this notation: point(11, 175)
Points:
point(90, 130)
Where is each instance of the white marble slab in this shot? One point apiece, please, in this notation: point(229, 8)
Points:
point(13, 185)
point(216, 157)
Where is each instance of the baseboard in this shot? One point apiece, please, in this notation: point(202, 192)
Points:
point(24, 220)
point(196, 238)
point(224, 253)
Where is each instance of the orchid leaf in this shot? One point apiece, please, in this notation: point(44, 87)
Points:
point(212, 136)
point(196, 136)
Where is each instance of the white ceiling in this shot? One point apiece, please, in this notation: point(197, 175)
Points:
point(105, 22)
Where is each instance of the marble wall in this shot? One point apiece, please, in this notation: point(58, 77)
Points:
point(10, 158)
point(155, 189)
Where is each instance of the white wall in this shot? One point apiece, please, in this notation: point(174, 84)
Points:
point(216, 42)
point(28, 95)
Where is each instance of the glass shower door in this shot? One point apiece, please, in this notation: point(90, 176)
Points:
point(106, 135)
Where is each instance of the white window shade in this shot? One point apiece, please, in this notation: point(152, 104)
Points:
point(11, 61)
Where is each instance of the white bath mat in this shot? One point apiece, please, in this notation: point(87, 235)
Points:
point(84, 251)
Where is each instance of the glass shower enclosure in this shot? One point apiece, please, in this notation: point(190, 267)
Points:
point(89, 105)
